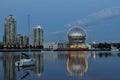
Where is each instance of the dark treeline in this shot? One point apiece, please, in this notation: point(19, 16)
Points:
point(20, 47)
point(100, 46)
point(108, 54)
point(106, 46)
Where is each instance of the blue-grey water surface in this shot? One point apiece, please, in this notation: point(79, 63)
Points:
point(62, 65)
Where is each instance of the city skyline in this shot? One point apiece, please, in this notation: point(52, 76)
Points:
point(100, 19)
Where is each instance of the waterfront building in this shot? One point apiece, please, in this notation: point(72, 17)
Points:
point(54, 45)
point(9, 37)
point(25, 40)
point(51, 46)
point(22, 40)
point(76, 40)
point(19, 39)
point(77, 37)
point(37, 36)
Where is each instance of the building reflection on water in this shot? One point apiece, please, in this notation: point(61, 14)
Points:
point(9, 66)
point(39, 65)
point(36, 69)
point(77, 64)
point(10, 71)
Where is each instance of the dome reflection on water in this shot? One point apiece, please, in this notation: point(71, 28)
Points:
point(77, 64)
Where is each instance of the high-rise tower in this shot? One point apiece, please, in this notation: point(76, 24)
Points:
point(37, 36)
point(10, 30)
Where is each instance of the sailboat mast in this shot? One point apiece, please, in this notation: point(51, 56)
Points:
point(29, 31)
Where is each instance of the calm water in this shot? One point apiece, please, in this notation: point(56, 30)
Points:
point(62, 66)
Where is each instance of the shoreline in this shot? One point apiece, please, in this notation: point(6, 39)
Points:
point(18, 50)
point(27, 50)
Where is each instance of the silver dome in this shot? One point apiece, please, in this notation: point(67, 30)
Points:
point(76, 34)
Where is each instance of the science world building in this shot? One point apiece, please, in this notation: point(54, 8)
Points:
point(76, 40)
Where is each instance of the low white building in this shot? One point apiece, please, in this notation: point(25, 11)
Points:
point(51, 46)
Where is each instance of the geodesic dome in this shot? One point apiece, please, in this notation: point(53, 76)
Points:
point(76, 34)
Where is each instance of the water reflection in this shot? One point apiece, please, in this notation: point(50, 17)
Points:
point(39, 65)
point(36, 69)
point(105, 54)
point(9, 66)
point(77, 64)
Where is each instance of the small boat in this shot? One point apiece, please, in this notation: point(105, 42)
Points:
point(114, 49)
point(25, 62)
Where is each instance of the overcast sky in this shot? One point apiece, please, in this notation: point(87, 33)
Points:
point(100, 18)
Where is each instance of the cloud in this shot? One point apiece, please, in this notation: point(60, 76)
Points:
point(94, 18)
point(57, 36)
point(56, 33)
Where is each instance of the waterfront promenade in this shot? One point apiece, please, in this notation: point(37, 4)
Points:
point(27, 50)
point(18, 50)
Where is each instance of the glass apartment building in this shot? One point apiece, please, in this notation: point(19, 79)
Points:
point(22, 40)
point(9, 37)
point(37, 36)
